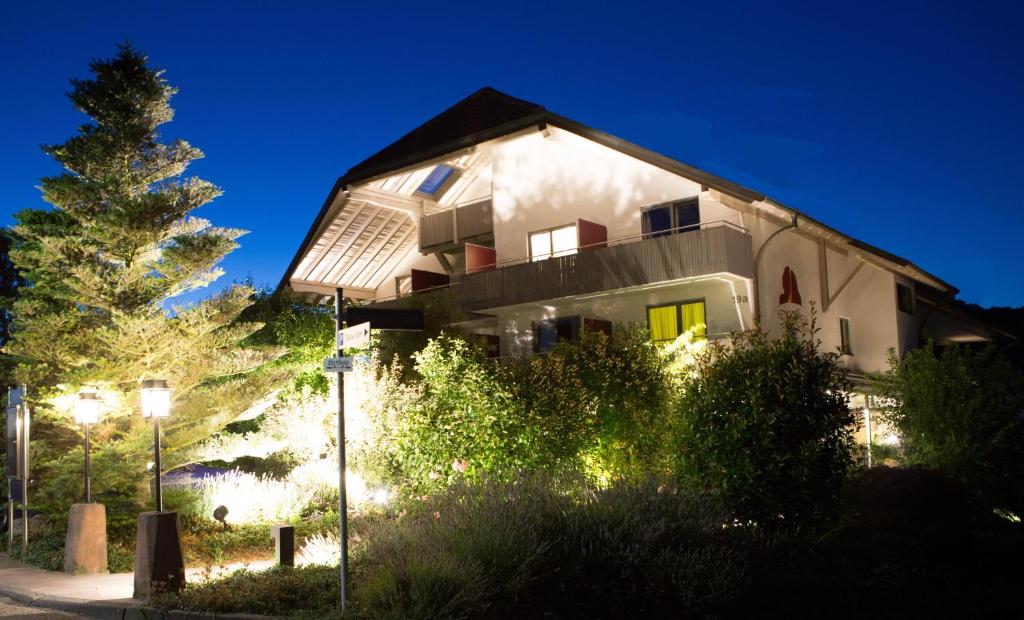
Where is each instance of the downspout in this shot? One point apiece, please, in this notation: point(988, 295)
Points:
point(757, 267)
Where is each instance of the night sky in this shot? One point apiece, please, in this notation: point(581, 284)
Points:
point(898, 123)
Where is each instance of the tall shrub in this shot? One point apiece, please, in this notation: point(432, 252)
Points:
point(961, 410)
point(763, 423)
point(599, 405)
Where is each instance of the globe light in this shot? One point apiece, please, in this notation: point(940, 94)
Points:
point(87, 407)
point(156, 399)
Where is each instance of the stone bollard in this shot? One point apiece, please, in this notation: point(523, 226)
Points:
point(284, 544)
point(159, 561)
point(85, 551)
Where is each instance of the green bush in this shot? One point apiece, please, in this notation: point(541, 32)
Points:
point(764, 425)
point(960, 411)
point(596, 405)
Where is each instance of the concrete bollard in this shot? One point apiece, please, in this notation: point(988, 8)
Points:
point(159, 561)
point(284, 544)
point(85, 551)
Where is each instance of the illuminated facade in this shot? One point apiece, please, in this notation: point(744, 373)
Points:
point(537, 228)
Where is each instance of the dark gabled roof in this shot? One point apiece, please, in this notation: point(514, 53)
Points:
point(465, 123)
point(488, 114)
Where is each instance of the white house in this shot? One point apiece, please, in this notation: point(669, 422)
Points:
point(538, 227)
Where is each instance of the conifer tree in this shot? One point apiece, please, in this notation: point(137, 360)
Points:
point(104, 267)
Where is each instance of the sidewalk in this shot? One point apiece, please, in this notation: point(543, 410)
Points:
point(94, 596)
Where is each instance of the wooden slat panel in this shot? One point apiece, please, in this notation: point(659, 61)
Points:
point(663, 259)
point(474, 219)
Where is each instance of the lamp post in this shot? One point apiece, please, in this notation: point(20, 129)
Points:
point(87, 412)
point(156, 404)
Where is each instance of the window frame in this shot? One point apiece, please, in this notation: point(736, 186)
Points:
point(674, 228)
point(845, 336)
point(552, 254)
point(535, 325)
point(442, 187)
point(679, 316)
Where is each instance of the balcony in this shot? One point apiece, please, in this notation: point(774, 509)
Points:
point(717, 247)
point(437, 230)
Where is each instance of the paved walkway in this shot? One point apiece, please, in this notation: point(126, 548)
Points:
point(13, 610)
point(90, 595)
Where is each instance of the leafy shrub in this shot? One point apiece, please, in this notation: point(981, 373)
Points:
point(911, 543)
point(597, 405)
point(961, 411)
point(906, 499)
point(764, 424)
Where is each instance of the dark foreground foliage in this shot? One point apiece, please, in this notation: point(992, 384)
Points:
point(910, 544)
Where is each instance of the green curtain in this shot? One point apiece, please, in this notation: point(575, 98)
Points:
point(663, 323)
point(693, 318)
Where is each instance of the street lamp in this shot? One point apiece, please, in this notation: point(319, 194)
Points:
point(87, 411)
point(156, 404)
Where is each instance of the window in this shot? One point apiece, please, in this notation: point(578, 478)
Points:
point(667, 219)
point(546, 333)
point(553, 242)
point(844, 337)
point(435, 180)
point(668, 321)
point(905, 298)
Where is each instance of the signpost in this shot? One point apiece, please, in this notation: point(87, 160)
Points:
point(356, 336)
point(17, 464)
point(338, 364)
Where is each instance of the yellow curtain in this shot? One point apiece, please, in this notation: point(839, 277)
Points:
point(693, 318)
point(663, 323)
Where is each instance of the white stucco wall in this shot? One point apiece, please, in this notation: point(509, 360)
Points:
point(869, 301)
point(542, 182)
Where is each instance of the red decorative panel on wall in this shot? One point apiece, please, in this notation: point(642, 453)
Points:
point(422, 280)
point(480, 258)
point(591, 235)
point(790, 291)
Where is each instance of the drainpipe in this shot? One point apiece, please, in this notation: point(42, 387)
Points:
point(757, 267)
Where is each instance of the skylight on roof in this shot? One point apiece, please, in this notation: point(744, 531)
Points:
point(435, 179)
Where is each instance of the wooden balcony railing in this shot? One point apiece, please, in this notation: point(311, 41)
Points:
point(437, 231)
point(715, 248)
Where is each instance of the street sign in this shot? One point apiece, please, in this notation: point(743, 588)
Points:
point(355, 336)
point(338, 364)
point(386, 318)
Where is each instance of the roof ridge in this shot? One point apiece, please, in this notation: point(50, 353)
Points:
point(481, 110)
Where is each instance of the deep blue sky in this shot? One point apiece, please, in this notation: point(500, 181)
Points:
point(898, 123)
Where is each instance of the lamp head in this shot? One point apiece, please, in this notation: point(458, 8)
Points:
point(87, 407)
point(156, 398)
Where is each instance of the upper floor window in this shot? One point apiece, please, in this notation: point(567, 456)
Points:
point(436, 179)
point(668, 321)
point(845, 348)
point(560, 241)
point(905, 298)
point(673, 217)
